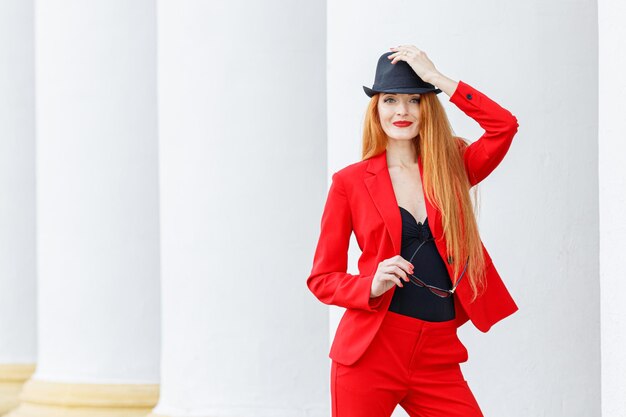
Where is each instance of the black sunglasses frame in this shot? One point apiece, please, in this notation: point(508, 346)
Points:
point(439, 292)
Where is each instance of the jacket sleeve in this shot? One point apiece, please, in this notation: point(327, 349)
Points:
point(329, 281)
point(484, 155)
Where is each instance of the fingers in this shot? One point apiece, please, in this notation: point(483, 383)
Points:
point(399, 272)
point(404, 52)
point(406, 48)
point(396, 268)
point(396, 57)
point(402, 263)
point(391, 278)
point(395, 274)
point(394, 278)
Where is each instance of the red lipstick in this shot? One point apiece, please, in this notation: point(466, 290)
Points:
point(402, 123)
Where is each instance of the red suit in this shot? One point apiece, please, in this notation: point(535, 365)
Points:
point(361, 200)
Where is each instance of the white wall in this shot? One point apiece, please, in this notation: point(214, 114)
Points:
point(97, 192)
point(17, 184)
point(539, 216)
point(612, 148)
point(242, 160)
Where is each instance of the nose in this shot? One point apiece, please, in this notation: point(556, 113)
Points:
point(402, 109)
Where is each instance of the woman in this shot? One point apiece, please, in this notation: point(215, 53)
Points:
point(409, 206)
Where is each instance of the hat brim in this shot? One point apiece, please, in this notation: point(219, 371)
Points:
point(410, 90)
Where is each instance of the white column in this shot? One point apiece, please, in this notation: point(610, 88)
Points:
point(17, 200)
point(97, 210)
point(539, 209)
point(612, 147)
point(242, 151)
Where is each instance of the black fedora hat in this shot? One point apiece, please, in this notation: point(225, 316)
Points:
point(397, 78)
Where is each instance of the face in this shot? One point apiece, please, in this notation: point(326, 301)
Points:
point(399, 115)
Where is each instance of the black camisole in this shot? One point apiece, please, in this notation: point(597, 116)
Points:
point(412, 300)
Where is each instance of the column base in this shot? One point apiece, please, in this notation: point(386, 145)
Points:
point(59, 399)
point(12, 378)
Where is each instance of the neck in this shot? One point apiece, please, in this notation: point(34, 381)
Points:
point(401, 153)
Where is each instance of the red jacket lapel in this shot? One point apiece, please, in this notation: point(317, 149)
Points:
point(378, 183)
point(380, 188)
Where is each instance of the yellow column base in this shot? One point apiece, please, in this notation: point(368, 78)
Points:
point(59, 399)
point(12, 378)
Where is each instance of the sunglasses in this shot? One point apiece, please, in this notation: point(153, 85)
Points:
point(440, 292)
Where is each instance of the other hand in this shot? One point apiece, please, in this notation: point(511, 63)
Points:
point(389, 273)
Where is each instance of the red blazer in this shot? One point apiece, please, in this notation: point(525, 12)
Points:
point(361, 200)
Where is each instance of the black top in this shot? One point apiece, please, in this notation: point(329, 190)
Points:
point(412, 300)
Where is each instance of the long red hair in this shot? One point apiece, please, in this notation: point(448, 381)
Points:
point(444, 181)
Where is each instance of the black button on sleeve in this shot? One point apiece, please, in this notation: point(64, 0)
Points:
point(469, 96)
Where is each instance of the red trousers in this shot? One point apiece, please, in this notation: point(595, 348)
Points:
point(410, 362)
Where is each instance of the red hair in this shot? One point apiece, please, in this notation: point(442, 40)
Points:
point(444, 181)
